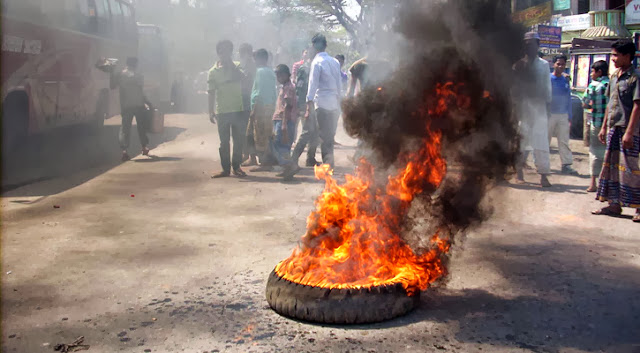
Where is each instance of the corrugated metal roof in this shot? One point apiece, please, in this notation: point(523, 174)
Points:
point(606, 32)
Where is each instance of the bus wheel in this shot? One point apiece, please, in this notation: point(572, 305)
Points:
point(102, 112)
point(15, 121)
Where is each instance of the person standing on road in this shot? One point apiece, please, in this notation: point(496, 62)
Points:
point(323, 97)
point(596, 100)
point(284, 123)
point(226, 108)
point(532, 93)
point(305, 60)
point(132, 104)
point(620, 177)
point(248, 67)
point(263, 100)
point(309, 137)
point(345, 78)
point(560, 113)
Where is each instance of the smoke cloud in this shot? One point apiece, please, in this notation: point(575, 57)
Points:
point(467, 47)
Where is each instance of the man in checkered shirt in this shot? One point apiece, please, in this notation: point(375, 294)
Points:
point(596, 100)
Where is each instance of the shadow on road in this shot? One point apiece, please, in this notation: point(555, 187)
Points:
point(70, 155)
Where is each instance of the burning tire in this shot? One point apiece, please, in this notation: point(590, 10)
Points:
point(338, 306)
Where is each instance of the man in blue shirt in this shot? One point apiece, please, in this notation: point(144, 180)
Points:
point(560, 113)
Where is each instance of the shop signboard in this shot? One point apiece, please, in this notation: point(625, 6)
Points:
point(574, 23)
point(561, 5)
point(632, 12)
point(534, 15)
point(550, 36)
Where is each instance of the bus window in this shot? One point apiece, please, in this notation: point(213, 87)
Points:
point(102, 17)
point(23, 9)
point(116, 19)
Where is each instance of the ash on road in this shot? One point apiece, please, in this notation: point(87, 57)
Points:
point(182, 265)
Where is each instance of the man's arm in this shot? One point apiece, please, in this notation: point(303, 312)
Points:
point(314, 79)
point(602, 135)
point(627, 139)
point(211, 97)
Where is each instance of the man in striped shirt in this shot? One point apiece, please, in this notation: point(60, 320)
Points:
point(595, 101)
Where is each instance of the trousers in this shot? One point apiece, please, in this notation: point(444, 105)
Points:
point(232, 125)
point(124, 136)
point(559, 128)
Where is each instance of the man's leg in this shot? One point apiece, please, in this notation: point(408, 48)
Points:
point(553, 128)
point(224, 131)
point(314, 140)
point(327, 132)
point(125, 132)
point(142, 125)
point(563, 128)
point(238, 130)
point(303, 140)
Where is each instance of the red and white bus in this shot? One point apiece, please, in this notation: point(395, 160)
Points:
point(49, 52)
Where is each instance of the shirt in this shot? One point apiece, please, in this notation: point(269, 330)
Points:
point(325, 82)
point(227, 84)
point(295, 67)
point(560, 95)
point(622, 92)
point(532, 80)
point(595, 96)
point(286, 97)
point(264, 87)
point(131, 85)
point(302, 85)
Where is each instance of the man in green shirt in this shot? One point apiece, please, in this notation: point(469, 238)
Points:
point(227, 109)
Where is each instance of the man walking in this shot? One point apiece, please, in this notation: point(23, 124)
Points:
point(227, 109)
point(560, 113)
point(531, 94)
point(323, 97)
point(132, 104)
point(309, 136)
point(620, 176)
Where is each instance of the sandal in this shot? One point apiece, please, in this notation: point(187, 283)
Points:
point(591, 190)
point(239, 173)
point(606, 211)
point(636, 218)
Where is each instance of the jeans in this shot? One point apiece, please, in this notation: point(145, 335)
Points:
point(142, 126)
point(232, 125)
point(308, 136)
point(327, 124)
point(279, 149)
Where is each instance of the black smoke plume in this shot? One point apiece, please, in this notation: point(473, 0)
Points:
point(467, 44)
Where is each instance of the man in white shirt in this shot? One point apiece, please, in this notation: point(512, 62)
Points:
point(324, 95)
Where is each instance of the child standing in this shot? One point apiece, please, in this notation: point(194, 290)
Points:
point(284, 123)
point(596, 99)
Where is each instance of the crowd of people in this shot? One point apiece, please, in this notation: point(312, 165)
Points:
point(613, 108)
point(258, 108)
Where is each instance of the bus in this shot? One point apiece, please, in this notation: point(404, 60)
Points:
point(48, 70)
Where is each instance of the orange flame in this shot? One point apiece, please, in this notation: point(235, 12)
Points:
point(353, 236)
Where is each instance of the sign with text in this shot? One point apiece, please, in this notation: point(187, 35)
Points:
point(533, 15)
point(550, 36)
point(574, 23)
point(632, 12)
point(561, 5)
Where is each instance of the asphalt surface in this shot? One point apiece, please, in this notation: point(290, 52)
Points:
point(152, 255)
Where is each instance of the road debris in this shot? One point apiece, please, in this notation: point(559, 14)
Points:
point(56, 206)
point(73, 347)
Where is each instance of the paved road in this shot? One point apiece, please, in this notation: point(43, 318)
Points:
point(153, 255)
